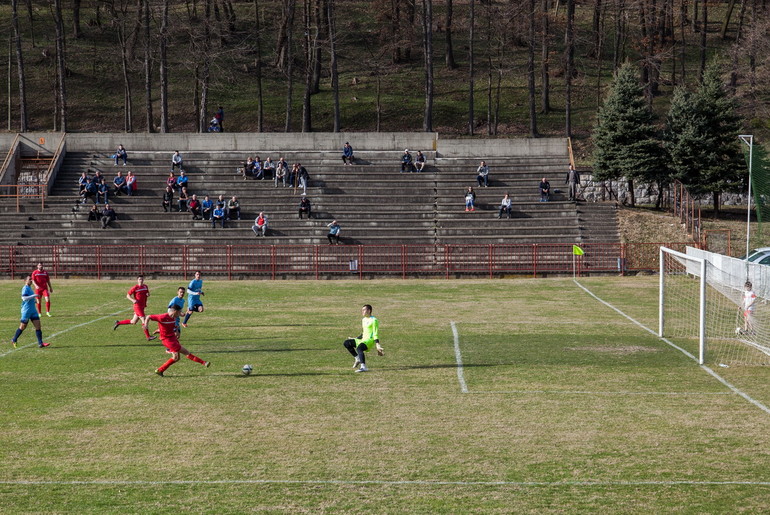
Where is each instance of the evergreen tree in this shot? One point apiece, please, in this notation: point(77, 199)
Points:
point(702, 138)
point(625, 138)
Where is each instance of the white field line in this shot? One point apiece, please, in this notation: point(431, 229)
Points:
point(342, 482)
point(459, 359)
point(581, 392)
point(704, 367)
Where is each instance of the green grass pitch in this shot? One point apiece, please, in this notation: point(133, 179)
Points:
point(567, 406)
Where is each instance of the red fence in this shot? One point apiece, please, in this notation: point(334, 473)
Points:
point(323, 261)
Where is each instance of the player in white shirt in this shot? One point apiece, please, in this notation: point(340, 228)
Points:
point(749, 300)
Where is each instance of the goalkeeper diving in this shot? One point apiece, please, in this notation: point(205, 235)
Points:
point(370, 336)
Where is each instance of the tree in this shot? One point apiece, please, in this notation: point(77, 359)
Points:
point(569, 66)
point(20, 66)
point(472, 22)
point(625, 139)
point(450, 54)
point(427, 27)
point(333, 62)
point(61, 65)
point(163, 57)
point(702, 138)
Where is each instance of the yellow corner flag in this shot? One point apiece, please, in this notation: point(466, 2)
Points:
point(577, 251)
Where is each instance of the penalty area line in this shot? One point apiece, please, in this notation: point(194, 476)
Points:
point(459, 359)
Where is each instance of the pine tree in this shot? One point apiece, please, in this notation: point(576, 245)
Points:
point(625, 138)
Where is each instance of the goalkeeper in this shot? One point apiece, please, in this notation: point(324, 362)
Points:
point(370, 334)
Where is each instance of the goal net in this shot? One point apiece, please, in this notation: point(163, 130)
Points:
point(702, 307)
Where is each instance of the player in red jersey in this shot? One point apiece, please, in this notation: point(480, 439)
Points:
point(43, 288)
point(138, 295)
point(168, 337)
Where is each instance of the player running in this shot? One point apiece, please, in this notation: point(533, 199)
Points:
point(29, 313)
point(370, 334)
point(170, 341)
point(194, 292)
point(138, 295)
point(43, 288)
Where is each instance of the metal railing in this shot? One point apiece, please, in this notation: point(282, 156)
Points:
point(21, 192)
point(683, 206)
point(324, 261)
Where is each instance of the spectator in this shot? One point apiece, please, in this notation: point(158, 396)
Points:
point(233, 211)
point(334, 233)
point(505, 206)
point(171, 180)
point(406, 162)
point(182, 180)
point(207, 206)
point(82, 181)
point(545, 190)
point(98, 177)
point(220, 118)
point(483, 174)
point(221, 200)
point(281, 170)
point(260, 225)
point(419, 161)
point(347, 154)
point(573, 180)
point(120, 153)
point(130, 184)
point(218, 215)
point(102, 190)
point(94, 215)
point(214, 126)
point(176, 160)
point(301, 177)
point(194, 205)
point(90, 191)
point(168, 198)
point(120, 184)
point(182, 201)
point(470, 199)
point(247, 168)
point(108, 216)
point(305, 207)
point(268, 168)
point(259, 172)
point(294, 174)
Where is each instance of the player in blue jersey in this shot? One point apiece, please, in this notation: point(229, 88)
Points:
point(29, 313)
point(194, 292)
point(177, 303)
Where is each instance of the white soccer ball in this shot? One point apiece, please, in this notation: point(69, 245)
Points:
point(738, 331)
point(246, 369)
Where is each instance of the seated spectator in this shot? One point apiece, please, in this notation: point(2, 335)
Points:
point(305, 207)
point(470, 199)
point(419, 163)
point(218, 215)
point(82, 181)
point(171, 180)
point(182, 181)
point(482, 174)
point(120, 153)
point(194, 205)
point(102, 191)
point(90, 191)
point(247, 168)
point(259, 172)
point(182, 201)
point(406, 162)
point(98, 177)
point(221, 200)
point(233, 210)
point(347, 154)
point(207, 206)
point(120, 184)
point(281, 171)
point(334, 233)
point(176, 160)
point(505, 206)
point(94, 215)
point(214, 126)
point(260, 225)
point(168, 198)
point(545, 190)
point(131, 184)
point(268, 168)
point(108, 216)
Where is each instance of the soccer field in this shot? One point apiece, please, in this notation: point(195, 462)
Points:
point(492, 397)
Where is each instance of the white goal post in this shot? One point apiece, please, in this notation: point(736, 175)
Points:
point(696, 267)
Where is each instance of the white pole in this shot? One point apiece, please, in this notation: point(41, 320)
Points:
point(748, 139)
point(660, 291)
point(702, 315)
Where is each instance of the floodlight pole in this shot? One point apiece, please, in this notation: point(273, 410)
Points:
point(748, 139)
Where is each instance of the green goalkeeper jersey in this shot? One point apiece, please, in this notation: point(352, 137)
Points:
point(370, 331)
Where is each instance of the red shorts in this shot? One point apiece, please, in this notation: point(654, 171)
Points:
point(172, 345)
point(42, 292)
point(138, 310)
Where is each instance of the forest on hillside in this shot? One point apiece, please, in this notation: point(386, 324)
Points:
point(465, 67)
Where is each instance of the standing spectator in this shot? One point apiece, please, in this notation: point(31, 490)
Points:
point(207, 206)
point(334, 233)
point(102, 191)
point(220, 118)
point(194, 205)
point(305, 207)
point(268, 168)
point(176, 160)
point(281, 170)
point(29, 314)
point(121, 153)
point(482, 174)
point(505, 206)
point(347, 154)
point(470, 199)
point(573, 181)
point(419, 161)
point(120, 184)
point(294, 175)
point(131, 184)
point(182, 180)
point(233, 211)
point(108, 216)
point(183, 198)
point(171, 180)
point(218, 215)
point(168, 199)
point(545, 190)
point(406, 162)
point(260, 225)
point(43, 288)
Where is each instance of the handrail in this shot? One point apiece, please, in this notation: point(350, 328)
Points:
point(24, 194)
point(11, 152)
point(571, 155)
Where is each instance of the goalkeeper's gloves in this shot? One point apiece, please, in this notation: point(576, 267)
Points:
point(380, 350)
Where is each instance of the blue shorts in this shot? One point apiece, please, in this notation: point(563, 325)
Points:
point(191, 306)
point(30, 318)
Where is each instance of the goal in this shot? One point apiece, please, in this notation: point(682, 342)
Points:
point(701, 307)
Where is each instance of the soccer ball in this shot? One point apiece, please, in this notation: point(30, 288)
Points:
point(738, 331)
point(246, 369)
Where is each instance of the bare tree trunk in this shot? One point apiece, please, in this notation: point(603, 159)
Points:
point(31, 20)
point(471, 24)
point(618, 54)
point(704, 30)
point(427, 25)
point(450, 54)
point(320, 31)
point(531, 70)
point(128, 122)
point(147, 66)
point(20, 66)
point(76, 19)
point(260, 98)
point(206, 72)
point(61, 65)
point(289, 66)
point(488, 37)
point(164, 127)
point(570, 66)
point(333, 63)
point(498, 92)
point(378, 102)
point(545, 74)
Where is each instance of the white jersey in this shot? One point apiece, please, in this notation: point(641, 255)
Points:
point(748, 300)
